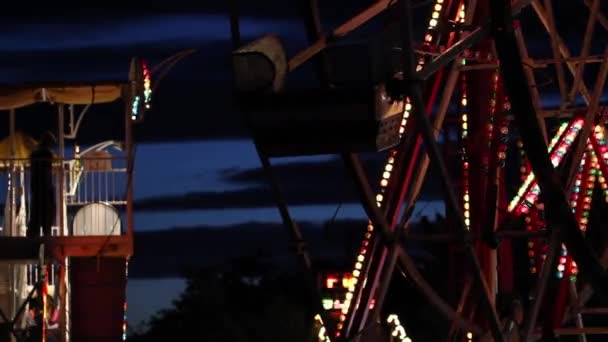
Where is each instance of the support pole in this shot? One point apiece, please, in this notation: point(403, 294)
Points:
point(60, 179)
point(12, 227)
point(415, 93)
point(297, 238)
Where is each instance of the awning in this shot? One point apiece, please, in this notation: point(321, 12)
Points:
point(11, 98)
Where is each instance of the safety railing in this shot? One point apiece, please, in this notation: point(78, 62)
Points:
point(95, 191)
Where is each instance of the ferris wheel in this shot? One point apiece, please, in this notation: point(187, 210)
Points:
point(481, 74)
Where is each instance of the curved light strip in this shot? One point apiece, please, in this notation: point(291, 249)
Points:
point(386, 175)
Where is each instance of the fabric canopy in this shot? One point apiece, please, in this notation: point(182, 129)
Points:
point(11, 98)
point(24, 145)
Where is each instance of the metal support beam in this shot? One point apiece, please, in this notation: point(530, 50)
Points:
point(353, 165)
point(452, 52)
point(538, 63)
point(297, 238)
point(377, 8)
point(342, 30)
point(559, 216)
point(600, 17)
point(314, 31)
point(561, 77)
point(578, 75)
point(414, 192)
point(414, 91)
point(588, 124)
point(563, 49)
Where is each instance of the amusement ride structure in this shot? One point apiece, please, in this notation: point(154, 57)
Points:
point(471, 78)
point(69, 284)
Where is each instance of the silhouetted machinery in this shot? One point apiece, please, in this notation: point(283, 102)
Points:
point(306, 122)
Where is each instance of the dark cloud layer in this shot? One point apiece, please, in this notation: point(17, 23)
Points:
point(166, 253)
point(304, 183)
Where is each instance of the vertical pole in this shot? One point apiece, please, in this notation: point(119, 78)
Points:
point(130, 167)
point(304, 259)
point(61, 147)
point(12, 229)
point(63, 229)
point(314, 32)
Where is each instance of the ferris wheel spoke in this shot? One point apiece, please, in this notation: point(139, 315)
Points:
point(353, 164)
point(559, 214)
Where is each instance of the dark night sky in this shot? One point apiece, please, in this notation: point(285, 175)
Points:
point(196, 166)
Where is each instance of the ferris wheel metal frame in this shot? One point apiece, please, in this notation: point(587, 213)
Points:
point(504, 41)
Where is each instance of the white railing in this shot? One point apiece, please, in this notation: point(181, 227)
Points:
point(94, 180)
point(97, 181)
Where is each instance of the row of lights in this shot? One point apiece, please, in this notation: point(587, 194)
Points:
point(464, 135)
point(147, 93)
point(524, 171)
point(589, 171)
point(530, 190)
point(398, 329)
point(124, 308)
point(491, 117)
point(384, 181)
point(599, 139)
point(322, 334)
point(504, 133)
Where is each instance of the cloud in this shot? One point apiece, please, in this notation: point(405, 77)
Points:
point(167, 253)
point(304, 183)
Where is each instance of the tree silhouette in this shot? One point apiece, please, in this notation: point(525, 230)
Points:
point(245, 301)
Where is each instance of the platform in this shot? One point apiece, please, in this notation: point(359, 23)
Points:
point(24, 250)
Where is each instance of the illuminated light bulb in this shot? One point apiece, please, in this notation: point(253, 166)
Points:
point(433, 22)
point(437, 7)
point(388, 167)
point(464, 117)
point(469, 335)
point(342, 318)
point(435, 15)
point(370, 228)
point(384, 182)
point(356, 273)
point(467, 222)
point(386, 175)
point(349, 295)
point(408, 106)
point(561, 267)
point(358, 266)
